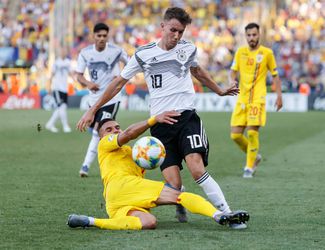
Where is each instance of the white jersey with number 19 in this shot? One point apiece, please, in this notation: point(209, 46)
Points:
point(103, 66)
point(167, 74)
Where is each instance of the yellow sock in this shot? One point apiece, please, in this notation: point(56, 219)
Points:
point(196, 204)
point(252, 148)
point(240, 140)
point(120, 223)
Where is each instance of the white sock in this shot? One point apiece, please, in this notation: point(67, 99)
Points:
point(214, 192)
point(92, 149)
point(63, 115)
point(54, 117)
point(91, 221)
point(217, 215)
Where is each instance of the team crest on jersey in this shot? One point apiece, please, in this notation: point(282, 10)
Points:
point(259, 58)
point(181, 55)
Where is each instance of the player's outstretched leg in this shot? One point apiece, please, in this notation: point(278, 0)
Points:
point(84, 170)
point(197, 204)
point(75, 220)
point(120, 223)
point(235, 220)
point(90, 155)
point(50, 124)
point(181, 215)
point(181, 211)
point(64, 118)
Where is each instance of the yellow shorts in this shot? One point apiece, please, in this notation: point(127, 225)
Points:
point(252, 114)
point(131, 193)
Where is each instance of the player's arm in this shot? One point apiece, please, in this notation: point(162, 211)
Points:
point(133, 131)
point(73, 76)
point(51, 82)
point(81, 67)
point(112, 89)
point(72, 73)
point(233, 73)
point(52, 76)
point(124, 58)
point(84, 82)
point(53, 71)
point(233, 78)
point(271, 65)
point(204, 77)
point(278, 89)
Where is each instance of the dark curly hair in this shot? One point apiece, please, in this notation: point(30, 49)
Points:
point(252, 26)
point(179, 14)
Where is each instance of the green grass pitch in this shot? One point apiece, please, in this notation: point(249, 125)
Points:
point(40, 187)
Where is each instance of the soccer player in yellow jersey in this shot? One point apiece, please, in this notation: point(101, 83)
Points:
point(251, 64)
point(129, 196)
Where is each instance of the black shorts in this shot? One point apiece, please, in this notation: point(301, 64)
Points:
point(182, 138)
point(108, 111)
point(60, 97)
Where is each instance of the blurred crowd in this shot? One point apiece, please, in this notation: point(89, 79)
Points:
point(24, 31)
point(298, 41)
point(296, 33)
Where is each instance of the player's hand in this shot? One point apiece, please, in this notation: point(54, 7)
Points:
point(167, 117)
point(93, 86)
point(85, 121)
point(278, 103)
point(232, 90)
point(233, 83)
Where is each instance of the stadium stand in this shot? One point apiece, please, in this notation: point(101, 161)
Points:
point(296, 34)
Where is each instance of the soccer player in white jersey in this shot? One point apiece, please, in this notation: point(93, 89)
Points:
point(102, 60)
point(61, 69)
point(167, 66)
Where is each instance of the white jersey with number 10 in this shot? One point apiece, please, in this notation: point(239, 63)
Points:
point(167, 74)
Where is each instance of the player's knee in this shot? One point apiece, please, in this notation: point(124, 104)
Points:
point(149, 222)
point(235, 136)
point(195, 165)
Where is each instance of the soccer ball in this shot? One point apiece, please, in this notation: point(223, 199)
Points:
point(148, 152)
